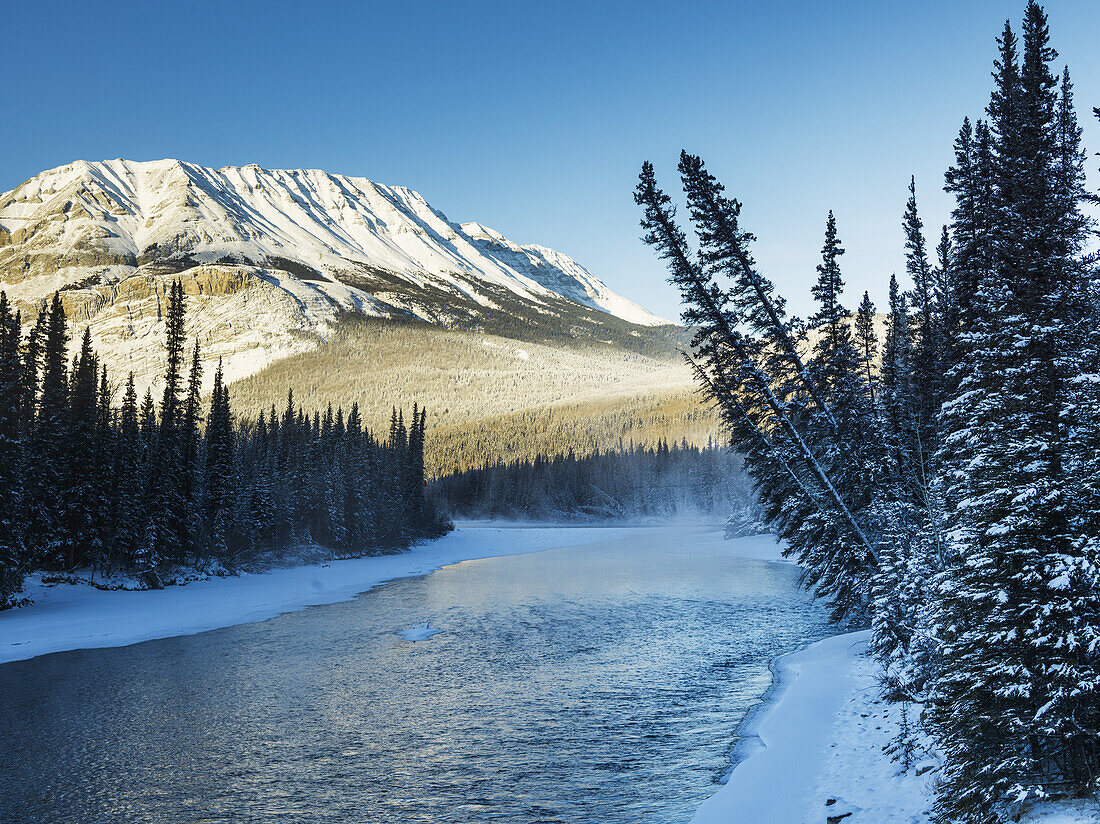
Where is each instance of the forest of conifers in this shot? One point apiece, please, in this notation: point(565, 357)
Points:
point(946, 487)
point(147, 487)
point(630, 482)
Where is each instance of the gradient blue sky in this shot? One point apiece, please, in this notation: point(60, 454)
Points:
point(534, 118)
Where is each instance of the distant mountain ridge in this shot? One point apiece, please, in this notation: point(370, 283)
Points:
point(271, 260)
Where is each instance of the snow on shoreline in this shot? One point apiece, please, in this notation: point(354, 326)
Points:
point(822, 729)
point(66, 616)
point(793, 727)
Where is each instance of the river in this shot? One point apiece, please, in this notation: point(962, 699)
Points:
point(602, 683)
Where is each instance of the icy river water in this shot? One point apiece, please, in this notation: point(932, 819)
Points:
point(601, 684)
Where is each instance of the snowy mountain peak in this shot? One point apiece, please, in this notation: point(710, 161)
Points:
point(269, 253)
point(481, 232)
point(165, 208)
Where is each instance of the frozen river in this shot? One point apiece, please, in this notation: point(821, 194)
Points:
point(602, 683)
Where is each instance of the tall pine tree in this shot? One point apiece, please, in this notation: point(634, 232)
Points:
point(13, 554)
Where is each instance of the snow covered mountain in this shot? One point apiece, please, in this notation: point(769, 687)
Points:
point(271, 259)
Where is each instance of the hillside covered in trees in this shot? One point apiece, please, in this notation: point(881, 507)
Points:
point(144, 488)
point(501, 392)
point(950, 495)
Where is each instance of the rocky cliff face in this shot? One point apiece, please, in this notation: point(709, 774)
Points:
point(270, 258)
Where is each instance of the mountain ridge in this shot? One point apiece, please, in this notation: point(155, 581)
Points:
point(272, 259)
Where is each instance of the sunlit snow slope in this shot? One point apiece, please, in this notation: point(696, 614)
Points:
point(270, 259)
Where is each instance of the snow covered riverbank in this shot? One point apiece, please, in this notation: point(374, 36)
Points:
point(821, 758)
point(66, 616)
point(775, 783)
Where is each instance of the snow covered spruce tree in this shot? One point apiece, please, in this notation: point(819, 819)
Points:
point(948, 492)
point(833, 445)
point(912, 385)
point(1018, 689)
point(867, 346)
point(796, 422)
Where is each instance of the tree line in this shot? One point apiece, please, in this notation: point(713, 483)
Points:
point(942, 484)
point(144, 487)
point(631, 481)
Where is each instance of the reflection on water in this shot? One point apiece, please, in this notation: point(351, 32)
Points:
point(599, 684)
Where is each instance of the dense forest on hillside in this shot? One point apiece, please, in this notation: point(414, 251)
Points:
point(144, 488)
point(942, 484)
point(585, 428)
point(494, 396)
point(630, 482)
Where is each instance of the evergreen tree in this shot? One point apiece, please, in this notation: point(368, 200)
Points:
point(288, 502)
point(94, 487)
point(129, 480)
point(219, 483)
point(166, 476)
point(81, 541)
point(848, 449)
point(47, 472)
point(830, 318)
point(866, 341)
point(1017, 694)
point(173, 345)
point(13, 555)
point(927, 355)
point(148, 424)
point(189, 455)
point(104, 494)
point(971, 181)
point(943, 279)
point(32, 365)
point(260, 520)
point(416, 507)
point(775, 409)
point(626, 482)
point(898, 401)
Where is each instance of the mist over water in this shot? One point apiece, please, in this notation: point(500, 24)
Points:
point(598, 684)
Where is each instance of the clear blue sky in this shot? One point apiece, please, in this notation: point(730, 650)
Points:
point(534, 118)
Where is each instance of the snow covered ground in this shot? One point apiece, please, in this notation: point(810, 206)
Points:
point(821, 759)
point(65, 616)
